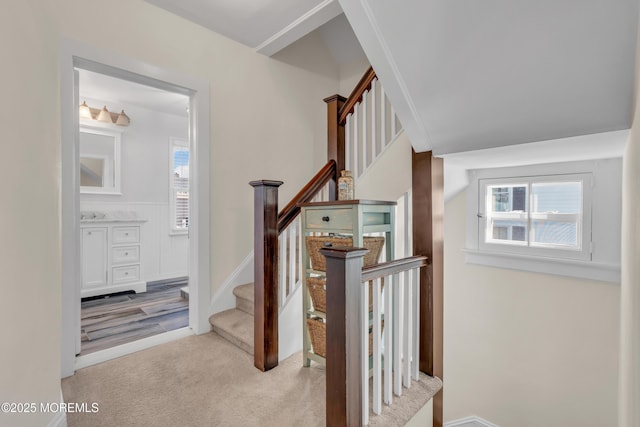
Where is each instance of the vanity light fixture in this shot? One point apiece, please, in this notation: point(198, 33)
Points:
point(123, 119)
point(85, 111)
point(103, 115)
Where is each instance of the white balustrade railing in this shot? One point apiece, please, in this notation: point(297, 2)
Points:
point(290, 261)
point(369, 129)
point(394, 323)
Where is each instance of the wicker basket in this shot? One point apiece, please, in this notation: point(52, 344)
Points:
point(318, 293)
point(318, 262)
point(318, 335)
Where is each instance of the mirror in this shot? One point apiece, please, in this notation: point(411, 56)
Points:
point(99, 161)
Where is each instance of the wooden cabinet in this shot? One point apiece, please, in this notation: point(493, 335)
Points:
point(355, 218)
point(111, 257)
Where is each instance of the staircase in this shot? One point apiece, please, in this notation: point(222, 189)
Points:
point(236, 325)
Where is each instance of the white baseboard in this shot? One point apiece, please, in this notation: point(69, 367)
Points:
point(131, 347)
point(472, 419)
point(224, 298)
point(60, 418)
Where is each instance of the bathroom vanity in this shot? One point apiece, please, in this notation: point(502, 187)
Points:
point(111, 254)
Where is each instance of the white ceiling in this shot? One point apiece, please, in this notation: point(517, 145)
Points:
point(468, 74)
point(266, 25)
point(464, 74)
point(120, 94)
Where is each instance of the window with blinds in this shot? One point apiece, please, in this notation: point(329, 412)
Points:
point(179, 182)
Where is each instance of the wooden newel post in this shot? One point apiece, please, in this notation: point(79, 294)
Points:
point(344, 331)
point(265, 229)
point(335, 140)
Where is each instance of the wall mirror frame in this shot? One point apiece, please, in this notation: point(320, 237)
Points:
point(100, 162)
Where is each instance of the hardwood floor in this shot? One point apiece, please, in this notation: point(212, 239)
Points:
point(108, 321)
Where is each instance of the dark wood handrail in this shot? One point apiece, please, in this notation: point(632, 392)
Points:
point(392, 267)
point(308, 192)
point(356, 94)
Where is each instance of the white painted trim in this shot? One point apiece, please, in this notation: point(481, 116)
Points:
point(60, 418)
point(366, 27)
point(116, 134)
point(605, 216)
point(562, 267)
point(471, 419)
point(132, 347)
point(74, 53)
point(316, 17)
point(224, 298)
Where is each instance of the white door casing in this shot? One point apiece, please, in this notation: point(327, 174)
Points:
point(76, 54)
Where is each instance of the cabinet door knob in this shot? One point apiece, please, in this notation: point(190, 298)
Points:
point(126, 273)
point(89, 233)
point(126, 234)
point(326, 218)
point(126, 253)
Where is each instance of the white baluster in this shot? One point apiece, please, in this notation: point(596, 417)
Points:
point(355, 142)
point(364, 362)
point(408, 236)
point(397, 335)
point(374, 122)
point(393, 124)
point(282, 244)
point(300, 243)
point(407, 335)
point(348, 142)
point(383, 119)
point(377, 354)
point(387, 341)
point(416, 323)
point(364, 131)
point(293, 239)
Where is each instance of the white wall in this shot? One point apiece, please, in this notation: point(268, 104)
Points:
point(145, 157)
point(526, 349)
point(30, 252)
point(350, 74)
point(268, 121)
point(629, 409)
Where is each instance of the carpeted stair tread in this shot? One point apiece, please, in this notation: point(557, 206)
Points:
point(244, 298)
point(235, 326)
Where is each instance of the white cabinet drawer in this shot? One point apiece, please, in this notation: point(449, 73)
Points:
point(128, 273)
point(126, 235)
point(125, 254)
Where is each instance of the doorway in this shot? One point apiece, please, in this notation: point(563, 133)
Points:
point(120, 222)
point(134, 211)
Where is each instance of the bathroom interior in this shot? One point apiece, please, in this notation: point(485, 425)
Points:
point(134, 211)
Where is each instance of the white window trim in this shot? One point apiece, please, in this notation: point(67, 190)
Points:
point(584, 224)
point(175, 142)
point(606, 201)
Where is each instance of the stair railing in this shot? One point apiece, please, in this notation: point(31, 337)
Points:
point(277, 257)
point(370, 124)
point(393, 321)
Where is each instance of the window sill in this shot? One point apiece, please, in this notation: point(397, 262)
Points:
point(178, 233)
point(563, 267)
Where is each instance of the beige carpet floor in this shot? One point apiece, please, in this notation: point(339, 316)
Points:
point(206, 381)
